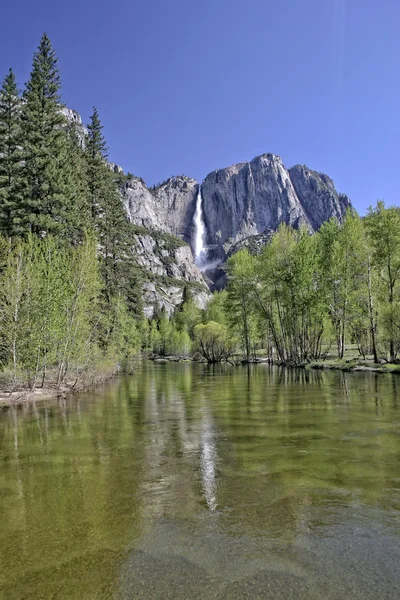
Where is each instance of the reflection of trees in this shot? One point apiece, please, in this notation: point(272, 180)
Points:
point(270, 449)
point(65, 502)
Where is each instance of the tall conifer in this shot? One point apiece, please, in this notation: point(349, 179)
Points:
point(10, 151)
point(47, 188)
point(97, 173)
point(111, 223)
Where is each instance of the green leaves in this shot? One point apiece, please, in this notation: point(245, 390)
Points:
point(212, 342)
point(47, 184)
point(383, 229)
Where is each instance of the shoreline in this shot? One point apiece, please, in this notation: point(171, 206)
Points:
point(52, 392)
point(49, 392)
point(354, 367)
point(349, 366)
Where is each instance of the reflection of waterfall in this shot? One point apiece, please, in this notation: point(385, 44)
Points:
point(207, 459)
point(199, 231)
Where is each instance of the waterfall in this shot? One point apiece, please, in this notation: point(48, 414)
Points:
point(199, 231)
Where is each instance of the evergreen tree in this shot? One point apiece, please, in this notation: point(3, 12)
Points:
point(97, 173)
point(186, 297)
point(10, 151)
point(79, 219)
point(46, 187)
point(118, 267)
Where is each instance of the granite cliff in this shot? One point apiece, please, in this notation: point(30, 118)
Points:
point(251, 199)
point(242, 205)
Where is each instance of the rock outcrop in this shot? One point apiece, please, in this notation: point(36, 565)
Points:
point(176, 202)
point(167, 266)
point(317, 195)
point(141, 207)
point(75, 119)
point(242, 206)
point(250, 199)
point(169, 207)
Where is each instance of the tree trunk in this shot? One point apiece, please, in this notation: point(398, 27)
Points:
point(371, 315)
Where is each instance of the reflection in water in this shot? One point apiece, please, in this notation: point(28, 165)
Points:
point(188, 481)
point(208, 460)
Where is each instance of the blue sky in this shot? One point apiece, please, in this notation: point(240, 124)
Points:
point(186, 86)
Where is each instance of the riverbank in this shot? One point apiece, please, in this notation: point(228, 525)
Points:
point(328, 364)
point(21, 396)
point(353, 365)
point(51, 391)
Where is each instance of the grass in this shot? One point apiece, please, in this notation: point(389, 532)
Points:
point(355, 364)
point(352, 361)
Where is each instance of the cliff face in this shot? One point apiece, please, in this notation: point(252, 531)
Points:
point(252, 198)
point(167, 266)
point(317, 195)
point(176, 202)
point(242, 206)
point(170, 207)
point(141, 206)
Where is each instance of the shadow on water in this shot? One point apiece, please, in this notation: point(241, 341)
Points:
point(205, 481)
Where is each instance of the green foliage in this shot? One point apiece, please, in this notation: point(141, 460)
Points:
point(52, 317)
point(291, 296)
point(70, 293)
point(120, 273)
point(187, 316)
point(304, 292)
point(212, 342)
point(46, 187)
point(10, 150)
point(383, 229)
point(216, 308)
point(241, 270)
point(167, 241)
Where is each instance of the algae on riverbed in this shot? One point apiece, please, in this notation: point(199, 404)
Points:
point(188, 480)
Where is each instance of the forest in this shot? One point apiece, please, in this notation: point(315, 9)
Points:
point(70, 287)
point(304, 298)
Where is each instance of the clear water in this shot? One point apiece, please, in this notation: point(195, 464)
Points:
point(186, 481)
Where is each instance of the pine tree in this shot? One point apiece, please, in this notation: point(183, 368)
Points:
point(79, 219)
point(118, 267)
point(10, 151)
point(47, 187)
point(97, 172)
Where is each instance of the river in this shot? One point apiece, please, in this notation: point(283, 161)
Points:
point(187, 481)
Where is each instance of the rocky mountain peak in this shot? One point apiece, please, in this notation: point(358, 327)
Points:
point(240, 206)
point(239, 202)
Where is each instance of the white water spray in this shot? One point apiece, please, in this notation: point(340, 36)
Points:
point(199, 231)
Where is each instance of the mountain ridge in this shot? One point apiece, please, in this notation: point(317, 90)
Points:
point(238, 202)
point(241, 205)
